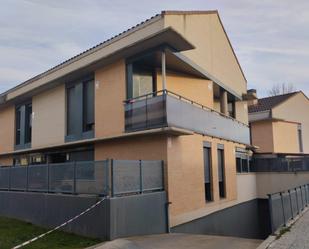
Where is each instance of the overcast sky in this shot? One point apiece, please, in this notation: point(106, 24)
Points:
point(270, 37)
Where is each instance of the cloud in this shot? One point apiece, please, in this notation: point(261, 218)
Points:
point(270, 37)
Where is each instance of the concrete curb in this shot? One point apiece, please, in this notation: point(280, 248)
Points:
point(267, 243)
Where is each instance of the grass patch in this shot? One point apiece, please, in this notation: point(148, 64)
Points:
point(14, 232)
point(283, 231)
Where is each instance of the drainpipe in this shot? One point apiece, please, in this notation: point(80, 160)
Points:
point(163, 65)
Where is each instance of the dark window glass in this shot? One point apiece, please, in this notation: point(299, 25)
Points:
point(300, 141)
point(238, 165)
point(88, 105)
point(207, 174)
point(28, 123)
point(18, 125)
point(244, 165)
point(221, 173)
point(70, 110)
point(231, 109)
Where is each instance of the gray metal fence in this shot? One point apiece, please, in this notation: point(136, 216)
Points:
point(284, 206)
point(280, 164)
point(108, 177)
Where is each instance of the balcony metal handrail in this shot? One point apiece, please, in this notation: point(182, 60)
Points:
point(180, 97)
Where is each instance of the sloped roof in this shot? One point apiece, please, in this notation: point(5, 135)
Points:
point(265, 104)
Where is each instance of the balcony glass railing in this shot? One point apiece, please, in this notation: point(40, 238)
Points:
point(168, 109)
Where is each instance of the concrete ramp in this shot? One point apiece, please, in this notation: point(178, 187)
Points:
point(180, 241)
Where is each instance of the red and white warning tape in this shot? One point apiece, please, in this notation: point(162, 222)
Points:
point(60, 226)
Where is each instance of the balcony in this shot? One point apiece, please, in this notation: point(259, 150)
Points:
point(168, 109)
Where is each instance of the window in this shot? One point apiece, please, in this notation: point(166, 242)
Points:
point(300, 139)
point(141, 80)
point(23, 126)
point(242, 161)
point(231, 109)
point(80, 109)
point(207, 172)
point(221, 172)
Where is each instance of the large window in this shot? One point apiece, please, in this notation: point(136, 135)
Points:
point(141, 80)
point(221, 172)
point(80, 109)
point(23, 126)
point(207, 172)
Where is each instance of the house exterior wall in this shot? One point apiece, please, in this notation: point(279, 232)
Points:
point(285, 137)
point(213, 52)
point(262, 136)
point(7, 130)
point(196, 89)
point(186, 176)
point(49, 117)
point(296, 109)
point(110, 92)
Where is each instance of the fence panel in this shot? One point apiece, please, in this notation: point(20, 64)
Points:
point(152, 175)
point(303, 194)
point(294, 203)
point(126, 176)
point(92, 177)
point(61, 178)
point(299, 199)
point(38, 178)
point(18, 178)
point(276, 211)
point(4, 178)
point(286, 201)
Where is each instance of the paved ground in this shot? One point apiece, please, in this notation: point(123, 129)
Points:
point(181, 241)
point(296, 238)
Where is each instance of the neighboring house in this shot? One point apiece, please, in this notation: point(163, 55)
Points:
point(170, 88)
point(280, 124)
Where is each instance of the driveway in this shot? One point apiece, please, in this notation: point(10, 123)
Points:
point(180, 241)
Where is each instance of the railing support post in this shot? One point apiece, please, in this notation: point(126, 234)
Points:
point(112, 178)
point(27, 180)
point(298, 211)
point(74, 181)
point(10, 169)
point(141, 176)
point(292, 215)
point(48, 178)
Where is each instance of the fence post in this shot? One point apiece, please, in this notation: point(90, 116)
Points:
point(48, 178)
point(284, 220)
point(163, 174)
point(271, 213)
point(112, 177)
point(298, 211)
point(291, 204)
point(10, 169)
point(306, 197)
point(74, 180)
point(140, 176)
point(107, 182)
point(27, 180)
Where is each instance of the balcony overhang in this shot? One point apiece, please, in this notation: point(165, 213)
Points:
point(84, 64)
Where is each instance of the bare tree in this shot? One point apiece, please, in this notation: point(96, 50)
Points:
point(283, 88)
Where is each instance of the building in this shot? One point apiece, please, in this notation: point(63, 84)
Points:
point(280, 124)
point(170, 88)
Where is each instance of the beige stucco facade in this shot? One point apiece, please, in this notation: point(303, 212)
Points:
point(48, 117)
point(274, 136)
point(7, 130)
point(296, 109)
point(213, 51)
point(110, 92)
